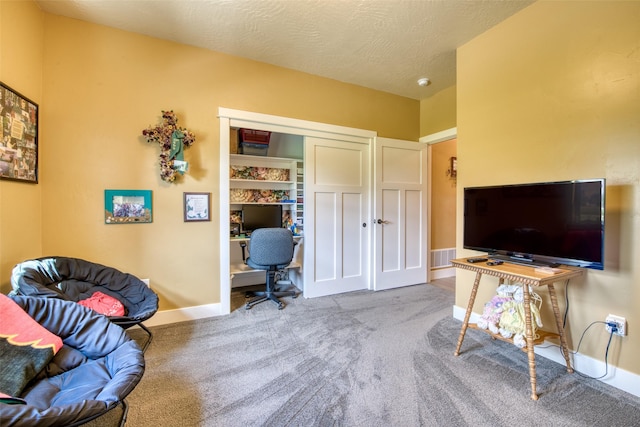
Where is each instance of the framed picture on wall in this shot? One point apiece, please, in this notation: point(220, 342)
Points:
point(19, 143)
point(127, 206)
point(197, 207)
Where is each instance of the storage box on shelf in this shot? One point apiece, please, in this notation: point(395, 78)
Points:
point(254, 142)
point(255, 136)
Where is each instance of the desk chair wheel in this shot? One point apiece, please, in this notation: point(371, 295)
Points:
point(248, 306)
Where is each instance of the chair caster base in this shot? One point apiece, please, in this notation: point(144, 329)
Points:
point(258, 297)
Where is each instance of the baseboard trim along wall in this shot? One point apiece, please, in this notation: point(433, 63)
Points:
point(616, 377)
point(183, 314)
point(443, 273)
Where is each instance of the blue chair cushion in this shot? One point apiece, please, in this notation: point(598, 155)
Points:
point(75, 279)
point(97, 367)
point(270, 247)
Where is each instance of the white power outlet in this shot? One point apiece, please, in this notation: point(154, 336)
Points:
point(621, 324)
point(146, 282)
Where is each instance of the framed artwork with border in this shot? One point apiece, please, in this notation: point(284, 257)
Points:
point(197, 207)
point(19, 142)
point(127, 206)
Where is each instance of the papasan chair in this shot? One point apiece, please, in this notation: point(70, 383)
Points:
point(63, 364)
point(78, 280)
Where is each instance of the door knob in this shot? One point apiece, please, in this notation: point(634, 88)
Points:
point(381, 221)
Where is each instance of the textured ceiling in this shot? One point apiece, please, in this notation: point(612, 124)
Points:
point(380, 44)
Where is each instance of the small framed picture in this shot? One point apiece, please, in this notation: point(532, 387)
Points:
point(197, 207)
point(19, 142)
point(127, 206)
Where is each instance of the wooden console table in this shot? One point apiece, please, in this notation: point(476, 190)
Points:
point(524, 275)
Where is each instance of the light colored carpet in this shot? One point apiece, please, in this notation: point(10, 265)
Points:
point(357, 359)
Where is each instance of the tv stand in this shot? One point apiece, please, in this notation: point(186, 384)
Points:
point(526, 276)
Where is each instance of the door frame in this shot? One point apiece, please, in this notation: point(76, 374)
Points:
point(230, 118)
point(431, 139)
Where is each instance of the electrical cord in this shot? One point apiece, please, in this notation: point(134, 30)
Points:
point(614, 328)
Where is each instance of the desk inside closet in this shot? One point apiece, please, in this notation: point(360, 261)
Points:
point(238, 265)
point(526, 276)
point(264, 180)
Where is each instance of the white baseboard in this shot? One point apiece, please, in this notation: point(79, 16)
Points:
point(616, 377)
point(183, 314)
point(442, 273)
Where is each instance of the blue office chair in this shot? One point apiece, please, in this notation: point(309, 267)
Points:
point(270, 249)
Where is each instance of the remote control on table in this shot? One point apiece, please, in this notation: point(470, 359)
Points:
point(477, 259)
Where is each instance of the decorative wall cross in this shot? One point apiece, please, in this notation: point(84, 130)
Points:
point(172, 139)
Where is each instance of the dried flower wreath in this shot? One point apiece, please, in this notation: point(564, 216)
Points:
point(172, 140)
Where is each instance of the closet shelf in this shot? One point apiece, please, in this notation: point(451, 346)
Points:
point(540, 338)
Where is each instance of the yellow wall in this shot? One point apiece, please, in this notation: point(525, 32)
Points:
point(443, 196)
point(21, 65)
point(103, 86)
point(438, 112)
point(553, 93)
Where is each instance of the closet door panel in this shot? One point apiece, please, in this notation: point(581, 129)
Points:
point(336, 196)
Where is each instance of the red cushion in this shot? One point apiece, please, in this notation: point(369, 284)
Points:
point(103, 304)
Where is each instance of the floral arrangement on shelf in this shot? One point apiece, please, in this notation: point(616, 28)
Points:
point(258, 173)
point(239, 195)
point(172, 139)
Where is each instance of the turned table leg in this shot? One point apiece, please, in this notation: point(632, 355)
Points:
point(563, 338)
point(529, 336)
point(467, 315)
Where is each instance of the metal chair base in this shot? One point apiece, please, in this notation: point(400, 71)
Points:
point(271, 293)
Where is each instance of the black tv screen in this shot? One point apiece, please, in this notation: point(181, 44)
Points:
point(539, 223)
point(261, 216)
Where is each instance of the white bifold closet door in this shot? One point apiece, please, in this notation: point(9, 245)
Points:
point(400, 221)
point(337, 220)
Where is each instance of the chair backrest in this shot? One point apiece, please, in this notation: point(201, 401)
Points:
point(271, 246)
point(75, 279)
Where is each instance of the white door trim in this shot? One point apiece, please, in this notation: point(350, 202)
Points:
point(441, 136)
point(230, 118)
point(431, 139)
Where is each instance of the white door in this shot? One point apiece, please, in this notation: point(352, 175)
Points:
point(400, 207)
point(336, 216)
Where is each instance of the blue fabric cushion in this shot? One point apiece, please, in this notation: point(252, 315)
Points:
point(97, 367)
point(270, 247)
point(75, 279)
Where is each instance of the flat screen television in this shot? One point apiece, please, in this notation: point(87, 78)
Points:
point(538, 224)
point(261, 216)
